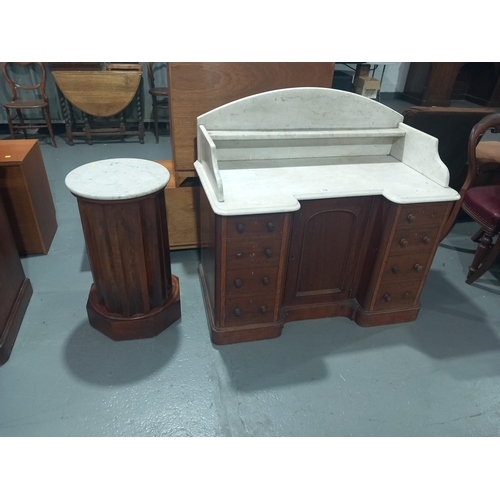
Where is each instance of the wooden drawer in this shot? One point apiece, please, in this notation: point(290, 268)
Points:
point(251, 253)
point(255, 281)
point(249, 310)
point(414, 241)
point(405, 267)
point(255, 225)
point(421, 214)
point(396, 295)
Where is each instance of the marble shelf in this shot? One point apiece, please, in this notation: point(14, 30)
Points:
point(303, 134)
point(280, 189)
point(265, 153)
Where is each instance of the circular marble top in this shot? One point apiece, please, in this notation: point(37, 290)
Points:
point(117, 179)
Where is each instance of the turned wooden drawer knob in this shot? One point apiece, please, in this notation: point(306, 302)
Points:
point(418, 267)
point(240, 228)
point(270, 227)
point(403, 242)
point(239, 255)
point(238, 283)
point(263, 309)
point(265, 280)
point(426, 239)
point(237, 312)
point(387, 297)
point(268, 252)
point(411, 217)
point(395, 269)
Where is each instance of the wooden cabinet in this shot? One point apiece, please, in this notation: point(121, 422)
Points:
point(436, 83)
point(26, 193)
point(242, 273)
point(334, 208)
point(326, 244)
point(134, 295)
point(396, 273)
point(430, 84)
point(15, 288)
point(365, 258)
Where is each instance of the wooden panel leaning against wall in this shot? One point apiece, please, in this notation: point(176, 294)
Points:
point(182, 205)
point(196, 88)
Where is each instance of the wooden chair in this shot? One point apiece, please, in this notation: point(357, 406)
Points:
point(22, 104)
point(482, 169)
point(482, 203)
point(160, 96)
point(452, 127)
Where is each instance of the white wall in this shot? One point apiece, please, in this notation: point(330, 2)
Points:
point(394, 76)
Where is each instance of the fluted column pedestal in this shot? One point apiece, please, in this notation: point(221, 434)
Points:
point(122, 210)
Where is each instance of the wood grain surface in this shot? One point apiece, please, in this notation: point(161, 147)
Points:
point(15, 289)
point(134, 294)
point(196, 88)
point(99, 93)
point(182, 204)
point(339, 257)
point(127, 246)
point(26, 193)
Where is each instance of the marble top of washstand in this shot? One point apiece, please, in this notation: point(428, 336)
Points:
point(117, 179)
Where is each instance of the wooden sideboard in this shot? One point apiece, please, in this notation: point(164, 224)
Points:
point(333, 208)
point(365, 258)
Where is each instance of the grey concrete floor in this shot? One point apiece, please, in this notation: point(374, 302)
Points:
point(437, 376)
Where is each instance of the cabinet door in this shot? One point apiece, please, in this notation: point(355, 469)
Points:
point(325, 248)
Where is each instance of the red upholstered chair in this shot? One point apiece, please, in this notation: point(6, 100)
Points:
point(482, 203)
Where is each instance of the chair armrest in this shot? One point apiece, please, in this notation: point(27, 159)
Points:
point(487, 123)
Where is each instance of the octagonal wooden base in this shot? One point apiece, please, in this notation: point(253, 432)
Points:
point(139, 326)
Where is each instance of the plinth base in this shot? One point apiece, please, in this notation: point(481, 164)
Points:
point(236, 334)
point(140, 326)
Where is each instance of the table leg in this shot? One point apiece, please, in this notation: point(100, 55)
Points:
point(87, 128)
point(140, 118)
point(123, 129)
point(11, 124)
point(67, 117)
point(21, 121)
